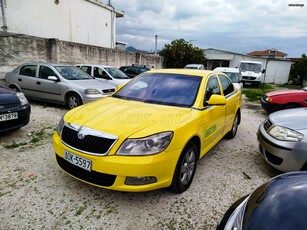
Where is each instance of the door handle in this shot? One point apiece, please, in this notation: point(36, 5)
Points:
point(19, 79)
point(38, 82)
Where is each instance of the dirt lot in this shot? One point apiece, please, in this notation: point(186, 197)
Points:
point(36, 194)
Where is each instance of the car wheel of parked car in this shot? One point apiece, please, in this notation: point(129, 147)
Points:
point(73, 100)
point(233, 132)
point(185, 168)
point(14, 88)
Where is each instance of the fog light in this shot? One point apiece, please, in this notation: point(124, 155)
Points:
point(140, 180)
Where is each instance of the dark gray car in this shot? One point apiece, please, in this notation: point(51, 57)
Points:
point(57, 83)
point(283, 139)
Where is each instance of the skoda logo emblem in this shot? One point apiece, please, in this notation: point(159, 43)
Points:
point(81, 134)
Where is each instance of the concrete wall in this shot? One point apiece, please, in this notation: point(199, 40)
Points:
point(83, 21)
point(16, 49)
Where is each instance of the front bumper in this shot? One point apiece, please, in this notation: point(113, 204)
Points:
point(111, 171)
point(282, 155)
point(269, 107)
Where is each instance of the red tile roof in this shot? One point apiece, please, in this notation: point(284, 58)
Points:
point(266, 53)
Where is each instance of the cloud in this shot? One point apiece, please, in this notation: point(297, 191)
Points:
point(237, 25)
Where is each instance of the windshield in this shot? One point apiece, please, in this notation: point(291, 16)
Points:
point(116, 73)
point(72, 73)
point(254, 67)
point(162, 88)
point(234, 77)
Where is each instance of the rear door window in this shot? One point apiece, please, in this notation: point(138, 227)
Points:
point(28, 70)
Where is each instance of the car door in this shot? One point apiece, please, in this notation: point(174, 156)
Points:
point(26, 80)
point(48, 89)
point(232, 99)
point(213, 116)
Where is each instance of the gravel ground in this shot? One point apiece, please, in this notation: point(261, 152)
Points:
point(36, 194)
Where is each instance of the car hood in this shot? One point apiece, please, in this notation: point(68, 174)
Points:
point(125, 118)
point(93, 83)
point(292, 118)
point(7, 95)
point(283, 91)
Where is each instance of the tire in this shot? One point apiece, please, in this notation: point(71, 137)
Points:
point(73, 101)
point(14, 88)
point(233, 132)
point(185, 169)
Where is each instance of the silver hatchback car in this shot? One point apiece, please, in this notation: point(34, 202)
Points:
point(283, 139)
point(57, 83)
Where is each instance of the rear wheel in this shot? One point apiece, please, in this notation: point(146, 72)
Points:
point(185, 169)
point(233, 132)
point(73, 100)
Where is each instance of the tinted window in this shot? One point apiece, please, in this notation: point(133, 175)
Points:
point(227, 85)
point(45, 72)
point(213, 87)
point(100, 73)
point(28, 70)
point(162, 88)
point(87, 69)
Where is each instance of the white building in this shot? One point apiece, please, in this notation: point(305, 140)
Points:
point(83, 21)
point(277, 70)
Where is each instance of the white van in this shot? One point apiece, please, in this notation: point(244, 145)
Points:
point(234, 74)
point(194, 66)
point(252, 72)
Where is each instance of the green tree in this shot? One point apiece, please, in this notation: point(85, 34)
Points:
point(180, 53)
point(300, 68)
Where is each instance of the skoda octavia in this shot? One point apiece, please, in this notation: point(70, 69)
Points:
point(150, 133)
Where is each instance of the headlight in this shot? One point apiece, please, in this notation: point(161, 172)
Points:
point(91, 91)
point(285, 134)
point(236, 219)
point(23, 100)
point(145, 146)
point(268, 99)
point(60, 126)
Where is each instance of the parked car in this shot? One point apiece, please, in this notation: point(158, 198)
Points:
point(280, 203)
point(284, 99)
point(194, 66)
point(150, 133)
point(14, 109)
point(234, 74)
point(57, 83)
point(133, 70)
point(283, 139)
point(107, 74)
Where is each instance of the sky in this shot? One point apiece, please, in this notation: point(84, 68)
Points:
point(238, 26)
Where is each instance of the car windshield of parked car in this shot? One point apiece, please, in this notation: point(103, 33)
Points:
point(72, 73)
point(234, 77)
point(116, 73)
point(162, 88)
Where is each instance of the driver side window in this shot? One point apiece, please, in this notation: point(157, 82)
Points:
point(213, 87)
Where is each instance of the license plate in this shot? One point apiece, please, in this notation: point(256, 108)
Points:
point(8, 116)
point(78, 161)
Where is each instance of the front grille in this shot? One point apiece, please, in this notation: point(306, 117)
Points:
point(93, 177)
point(267, 125)
point(9, 106)
point(248, 78)
point(89, 144)
point(108, 90)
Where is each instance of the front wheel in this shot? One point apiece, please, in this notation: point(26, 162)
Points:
point(185, 169)
point(73, 100)
point(233, 132)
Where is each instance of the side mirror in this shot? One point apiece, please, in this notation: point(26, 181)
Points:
point(53, 78)
point(217, 100)
point(263, 71)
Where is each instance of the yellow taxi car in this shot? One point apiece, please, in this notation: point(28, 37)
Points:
point(150, 133)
